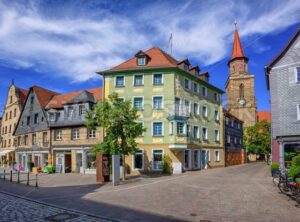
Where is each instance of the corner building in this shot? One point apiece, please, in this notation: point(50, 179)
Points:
point(181, 111)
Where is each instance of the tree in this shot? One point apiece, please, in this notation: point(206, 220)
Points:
point(257, 138)
point(119, 122)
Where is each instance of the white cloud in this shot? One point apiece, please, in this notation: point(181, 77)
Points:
point(76, 45)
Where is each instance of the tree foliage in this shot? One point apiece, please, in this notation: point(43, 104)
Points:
point(119, 121)
point(257, 138)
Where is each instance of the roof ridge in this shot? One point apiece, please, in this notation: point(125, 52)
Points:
point(42, 88)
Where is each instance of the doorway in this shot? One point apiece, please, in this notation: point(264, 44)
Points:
point(68, 165)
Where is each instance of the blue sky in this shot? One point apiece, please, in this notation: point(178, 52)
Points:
point(60, 44)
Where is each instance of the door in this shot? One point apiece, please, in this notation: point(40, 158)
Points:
point(60, 163)
point(203, 159)
point(79, 163)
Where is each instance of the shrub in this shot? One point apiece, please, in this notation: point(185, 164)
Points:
point(275, 166)
point(49, 169)
point(295, 167)
point(167, 165)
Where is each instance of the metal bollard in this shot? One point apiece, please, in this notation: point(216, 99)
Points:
point(27, 179)
point(3, 174)
point(18, 176)
point(10, 176)
point(36, 180)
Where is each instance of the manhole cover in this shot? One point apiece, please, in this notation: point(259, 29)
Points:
point(61, 217)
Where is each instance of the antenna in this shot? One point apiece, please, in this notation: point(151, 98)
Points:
point(171, 44)
point(235, 23)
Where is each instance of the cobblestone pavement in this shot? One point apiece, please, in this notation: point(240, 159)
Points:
point(233, 194)
point(15, 209)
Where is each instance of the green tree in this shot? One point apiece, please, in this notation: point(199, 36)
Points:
point(257, 138)
point(119, 121)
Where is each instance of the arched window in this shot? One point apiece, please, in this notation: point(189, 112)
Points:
point(242, 91)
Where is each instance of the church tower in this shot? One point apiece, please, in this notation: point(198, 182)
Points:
point(240, 97)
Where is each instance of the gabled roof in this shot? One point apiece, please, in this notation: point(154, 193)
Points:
point(196, 68)
point(185, 61)
point(264, 115)
point(58, 101)
point(159, 59)
point(43, 95)
point(22, 95)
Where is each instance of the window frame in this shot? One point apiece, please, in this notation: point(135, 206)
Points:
point(217, 135)
point(162, 153)
point(217, 157)
point(134, 76)
point(162, 102)
point(297, 78)
point(153, 78)
point(197, 113)
point(77, 138)
point(142, 58)
point(206, 134)
point(162, 130)
point(119, 86)
point(204, 115)
point(197, 87)
point(197, 135)
point(205, 91)
point(91, 132)
point(183, 128)
point(189, 83)
point(138, 97)
point(56, 134)
point(298, 112)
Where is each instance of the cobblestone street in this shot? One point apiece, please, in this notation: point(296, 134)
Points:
point(238, 193)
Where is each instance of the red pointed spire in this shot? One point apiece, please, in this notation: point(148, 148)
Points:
point(237, 50)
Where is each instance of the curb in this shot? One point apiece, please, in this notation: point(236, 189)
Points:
point(60, 207)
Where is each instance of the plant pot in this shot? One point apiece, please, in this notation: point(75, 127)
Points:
point(275, 173)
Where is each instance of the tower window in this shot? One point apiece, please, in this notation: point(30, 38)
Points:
point(242, 91)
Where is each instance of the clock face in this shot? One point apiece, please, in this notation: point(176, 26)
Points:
point(242, 102)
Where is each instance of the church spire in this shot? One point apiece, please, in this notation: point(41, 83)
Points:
point(237, 50)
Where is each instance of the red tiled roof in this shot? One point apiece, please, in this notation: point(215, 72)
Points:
point(58, 101)
point(237, 50)
point(264, 115)
point(22, 95)
point(43, 95)
point(158, 59)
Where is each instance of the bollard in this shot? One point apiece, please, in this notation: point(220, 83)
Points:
point(18, 176)
point(10, 176)
point(36, 180)
point(27, 179)
point(3, 174)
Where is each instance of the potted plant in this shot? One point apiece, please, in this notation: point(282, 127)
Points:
point(275, 169)
point(30, 165)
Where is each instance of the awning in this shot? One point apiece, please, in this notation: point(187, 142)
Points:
point(4, 152)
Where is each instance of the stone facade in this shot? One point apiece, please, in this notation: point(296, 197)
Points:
point(181, 112)
point(14, 104)
point(283, 79)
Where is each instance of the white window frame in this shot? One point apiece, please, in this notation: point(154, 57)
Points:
point(205, 137)
point(171, 128)
point(189, 159)
point(138, 97)
point(183, 128)
point(163, 153)
point(217, 117)
point(217, 157)
point(161, 130)
point(217, 136)
point(138, 74)
point(206, 112)
point(81, 109)
point(142, 58)
point(199, 158)
point(56, 135)
point(189, 106)
point(205, 94)
point(162, 102)
point(143, 157)
point(298, 112)
point(198, 135)
point(77, 134)
point(189, 83)
point(162, 78)
point(91, 134)
point(116, 80)
point(197, 110)
point(197, 85)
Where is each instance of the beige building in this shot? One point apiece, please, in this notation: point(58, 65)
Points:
point(12, 109)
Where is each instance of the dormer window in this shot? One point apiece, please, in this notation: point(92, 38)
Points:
point(186, 67)
point(82, 110)
point(141, 61)
point(51, 117)
point(70, 111)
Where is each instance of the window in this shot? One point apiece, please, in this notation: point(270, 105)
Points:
point(227, 121)
point(187, 106)
point(188, 130)
point(138, 103)
point(171, 128)
point(70, 112)
point(91, 133)
point(204, 111)
point(195, 87)
point(217, 155)
point(196, 132)
point(9, 131)
point(242, 91)
point(158, 129)
point(138, 160)
point(235, 140)
point(196, 109)
point(75, 134)
point(240, 140)
point(32, 100)
point(11, 98)
point(26, 140)
point(141, 61)
point(120, 81)
point(45, 138)
point(186, 83)
point(157, 163)
point(216, 97)
point(298, 112)
point(82, 110)
point(204, 91)
point(196, 159)
point(228, 138)
point(232, 122)
point(217, 135)
point(58, 134)
point(298, 74)
point(138, 80)
point(36, 116)
point(187, 159)
point(204, 133)
point(9, 143)
point(6, 116)
point(33, 139)
point(186, 67)
point(15, 112)
point(19, 141)
point(180, 128)
point(51, 117)
point(10, 114)
point(217, 117)
point(28, 120)
point(157, 102)
point(157, 79)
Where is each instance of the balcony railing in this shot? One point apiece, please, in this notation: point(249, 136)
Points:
point(179, 110)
